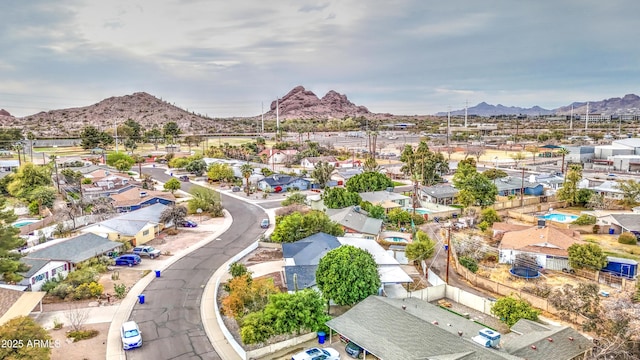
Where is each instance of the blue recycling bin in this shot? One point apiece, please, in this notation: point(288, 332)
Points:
point(611, 231)
point(321, 337)
point(157, 273)
point(141, 298)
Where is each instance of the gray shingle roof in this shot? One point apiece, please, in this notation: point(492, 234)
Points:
point(306, 276)
point(77, 249)
point(355, 220)
point(280, 180)
point(440, 191)
point(150, 213)
point(310, 250)
point(125, 227)
point(384, 329)
point(551, 342)
point(34, 266)
point(630, 222)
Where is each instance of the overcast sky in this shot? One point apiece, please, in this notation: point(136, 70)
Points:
point(224, 58)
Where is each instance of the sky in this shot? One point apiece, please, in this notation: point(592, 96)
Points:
point(231, 58)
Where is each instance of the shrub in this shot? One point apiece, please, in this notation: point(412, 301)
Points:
point(49, 285)
point(86, 291)
point(120, 290)
point(81, 276)
point(483, 226)
point(62, 290)
point(627, 238)
point(585, 220)
point(470, 263)
point(82, 334)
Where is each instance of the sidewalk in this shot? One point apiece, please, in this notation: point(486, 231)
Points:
point(123, 311)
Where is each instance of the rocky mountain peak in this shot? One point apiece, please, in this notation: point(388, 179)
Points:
point(4, 112)
point(302, 103)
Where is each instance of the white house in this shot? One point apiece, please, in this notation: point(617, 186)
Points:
point(42, 270)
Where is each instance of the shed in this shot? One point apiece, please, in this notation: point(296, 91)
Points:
point(621, 267)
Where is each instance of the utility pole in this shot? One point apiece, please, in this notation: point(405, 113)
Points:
point(571, 120)
point(522, 189)
point(277, 117)
point(115, 124)
point(586, 121)
point(448, 253)
point(466, 105)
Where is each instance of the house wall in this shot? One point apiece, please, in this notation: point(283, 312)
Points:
point(49, 271)
point(145, 235)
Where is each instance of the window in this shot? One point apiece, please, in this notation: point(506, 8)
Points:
point(145, 233)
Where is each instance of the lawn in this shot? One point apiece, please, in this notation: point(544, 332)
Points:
point(611, 246)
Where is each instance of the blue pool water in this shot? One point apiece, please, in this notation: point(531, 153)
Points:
point(21, 223)
point(396, 239)
point(420, 211)
point(563, 218)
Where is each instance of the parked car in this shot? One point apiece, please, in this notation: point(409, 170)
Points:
point(317, 354)
point(149, 251)
point(189, 224)
point(353, 350)
point(184, 178)
point(264, 223)
point(235, 189)
point(130, 335)
point(129, 260)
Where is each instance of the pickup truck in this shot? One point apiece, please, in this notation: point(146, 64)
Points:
point(146, 251)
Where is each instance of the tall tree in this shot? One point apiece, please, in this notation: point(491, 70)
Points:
point(9, 240)
point(246, 170)
point(347, 275)
point(297, 226)
point(339, 198)
point(91, 138)
point(630, 191)
point(174, 214)
point(564, 152)
point(423, 165)
point(587, 256)
point(569, 190)
point(368, 181)
point(153, 136)
point(220, 172)
point(473, 187)
point(197, 167)
point(322, 173)
point(171, 130)
point(27, 178)
point(19, 335)
point(421, 248)
point(370, 164)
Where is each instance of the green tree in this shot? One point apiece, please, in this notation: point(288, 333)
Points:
point(370, 164)
point(153, 136)
point(43, 196)
point(510, 309)
point(569, 190)
point(493, 174)
point(368, 181)
point(197, 167)
point(9, 240)
point(474, 188)
point(92, 138)
point(533, 150)
point(174, 214)
point(322, 173)
point(172, 185)
point(339, 198)
point(27, 178)
point(376, 212)
point(21, 332)
point(206, 200)
point(421, 248)
point(171, 130)
point(347, 275)
point(295, 198)
point(563, 152)
point(399, 216)
point(423, 165)
point(220, 172)
point(517, 157)
point(586, 256)
point(297, 226)
point(246, 170)
point(490, 216)
point(630, 192)
point(115, 157)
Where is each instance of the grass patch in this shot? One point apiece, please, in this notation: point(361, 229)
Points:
point(622, 255)
point(82, 334)
point(397, 183)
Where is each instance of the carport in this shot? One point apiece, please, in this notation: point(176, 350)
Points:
point(15, 303)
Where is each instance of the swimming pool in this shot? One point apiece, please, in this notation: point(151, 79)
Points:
point(420, 211)
point(396, 239)
point(563, 218)
point(25, 222)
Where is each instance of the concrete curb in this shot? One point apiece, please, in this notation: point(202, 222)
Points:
point(114, 348)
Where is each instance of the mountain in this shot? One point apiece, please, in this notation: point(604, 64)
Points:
point(484, 109)
point(629, 104)
point(300, 103)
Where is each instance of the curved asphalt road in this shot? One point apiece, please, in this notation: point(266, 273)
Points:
point(170, 317)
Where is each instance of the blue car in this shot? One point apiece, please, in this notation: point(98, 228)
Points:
point(128, 260)
point(188, 223)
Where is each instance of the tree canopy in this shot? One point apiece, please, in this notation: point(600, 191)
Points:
point(421, 248)
point(339, 198)
point(92, 138)
point(423, 165)
point(569, 190)
point(586, 256)
point(510, 309)
point(119, 157)
point(347, 275)
point(172, 185)
point(174, 214)
point(630, 192)
point(21, 334)
point(220, 172)
point(322, 173)
point(197, 167)
point(9, 240)
point(368, 181)
point(473, 187)
point(206, 200)
point(297, 226)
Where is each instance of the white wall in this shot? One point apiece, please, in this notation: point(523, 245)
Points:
point(45, 274)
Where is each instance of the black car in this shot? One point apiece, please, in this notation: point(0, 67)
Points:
point(353, 350)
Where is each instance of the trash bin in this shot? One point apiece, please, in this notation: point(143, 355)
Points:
point(611, 231)
point(141, 298)
point(321, 337)
point(157, 273)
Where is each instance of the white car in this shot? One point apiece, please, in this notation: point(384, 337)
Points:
point(317, 354)
point(131, 335)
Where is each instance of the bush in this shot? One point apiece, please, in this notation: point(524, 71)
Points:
point(585, 220)
point(62, 290)
point(81, 276)
point(82, 334)
point(120, 290)
point(469, 263)
point(86, 291)
point(627, 238)
point(49, 285)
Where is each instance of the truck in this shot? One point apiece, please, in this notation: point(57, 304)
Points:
point(146, 251)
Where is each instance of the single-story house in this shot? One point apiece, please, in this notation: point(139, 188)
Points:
point(620, 222)
point(55, 257)
point(310, 163)
point(608, 189)
point(15, 303)
point(444, 194)
point(413, 329)
point(386, 199)
point(503, 227)
point(547, 244)
point(513, 185)
point(137, 198)
point(9, 165)
point(301, 259)
point(281, 183)
point(356, 221)
point(340, 176)
point(550, 181)
point(139, 226)
point(275, 156)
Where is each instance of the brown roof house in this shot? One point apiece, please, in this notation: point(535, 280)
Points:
point(547, 244)
point(137, 198)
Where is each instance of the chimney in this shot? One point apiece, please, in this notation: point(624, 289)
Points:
point(460, 333)
point(404, 307)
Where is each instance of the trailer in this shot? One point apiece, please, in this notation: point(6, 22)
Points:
point(621, 267)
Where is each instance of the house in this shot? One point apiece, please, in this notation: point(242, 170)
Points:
point(138, 227)
point(340, 176)
point(413, 329)
point(275, 156)
point(301, 259)
point(444, 194)
point(9, 165)
point(503, 227)
point(608, 189)
point(550, 182)
point(310, 163)
point(356, 221)
point(15, 303)
point(281, 182)
point(48, 260)
point(387, 199)
point(138, 198)
point(513, 185)
point(547, 244)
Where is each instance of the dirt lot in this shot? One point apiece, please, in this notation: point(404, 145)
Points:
point(89, 349)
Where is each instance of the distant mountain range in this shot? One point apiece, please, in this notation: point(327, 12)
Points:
point(629, 104)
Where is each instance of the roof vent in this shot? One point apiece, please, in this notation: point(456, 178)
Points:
point(542, 223)
point(570, 338)
point(460, 333)
point(550, 339)
point(435, 322)
point(404, 307)
point(533, 347)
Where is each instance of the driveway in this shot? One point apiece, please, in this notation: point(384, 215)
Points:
point(170, 317)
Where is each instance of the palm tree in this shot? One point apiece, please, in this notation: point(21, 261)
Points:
point(563, 152)
point(246, 170)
